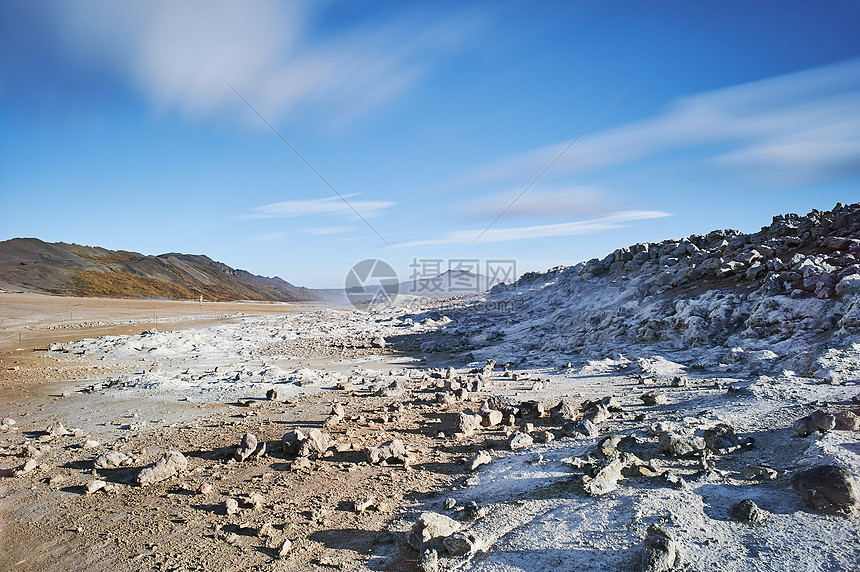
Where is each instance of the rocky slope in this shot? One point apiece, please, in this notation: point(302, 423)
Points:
point(74, 270)
point(776, 299)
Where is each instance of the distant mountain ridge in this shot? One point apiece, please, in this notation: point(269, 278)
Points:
point(75, 270)
point(448, 284)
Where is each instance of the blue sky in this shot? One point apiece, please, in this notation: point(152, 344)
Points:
point(118, 128)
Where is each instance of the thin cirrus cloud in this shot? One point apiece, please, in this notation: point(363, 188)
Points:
point(179, 54)
point(792, 129)
point(325, 206)
point(576, 201)
point(280, 236)
point(609, 222)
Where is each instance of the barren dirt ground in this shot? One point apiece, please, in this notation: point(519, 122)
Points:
point(337, 511)
point(30, 321)
point(46, 523)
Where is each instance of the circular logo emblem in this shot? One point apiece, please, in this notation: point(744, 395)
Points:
point(371, 283)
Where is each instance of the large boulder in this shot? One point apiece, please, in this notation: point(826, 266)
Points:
point(431, 528)
point(829, 488)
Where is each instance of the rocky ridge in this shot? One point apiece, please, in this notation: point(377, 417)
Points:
point(787, 291)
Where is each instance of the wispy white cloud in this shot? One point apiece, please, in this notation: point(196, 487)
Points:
point(609, 222)
point(179, 53)
point(569, 202)
point(790, 129)
point(325, 206)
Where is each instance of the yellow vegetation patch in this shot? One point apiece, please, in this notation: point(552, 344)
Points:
point(126, 285)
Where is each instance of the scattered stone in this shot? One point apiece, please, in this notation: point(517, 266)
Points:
point(847, 421)
point(676, 445)
point(171, 463)
point(660, 552)
point(828, 488)
point(597, 413)
point(231, 506)
point(721, 439)
point(675, 480)
point(654, 398)
point(520, 440)
point(256, 500)
point(91, 444)
point(820, 421)
point(429, 560)
point(295, 442)
point(267, 530)
point(337, 409)
point(379, 342)
point(564, 412)
point(450, 503)
point(7, 424)
point(467, 422)
point(531, 410)
point(431, 528)
point(606, 479)
point(661, 427)
point(582, 429)
point(491, 417)
point(747, 511)
point(391, 452)
point(28, 467)
point(285, 548)
point(759, 473)
point(291, 441)
point(112, 460)
point(273, 395)
point(460, 544)
point(472, 510)
point(35, 451)
point(247, 446)
point(362, 505)
point(57, 430)
point(205, 489)
point(94, 485)
point(336, 416)
point(395, 389)
point(300, 463)
point(481, 458)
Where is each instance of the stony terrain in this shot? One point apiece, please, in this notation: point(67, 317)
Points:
point(673, 406)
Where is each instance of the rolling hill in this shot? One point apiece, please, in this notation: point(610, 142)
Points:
point(74, 270)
